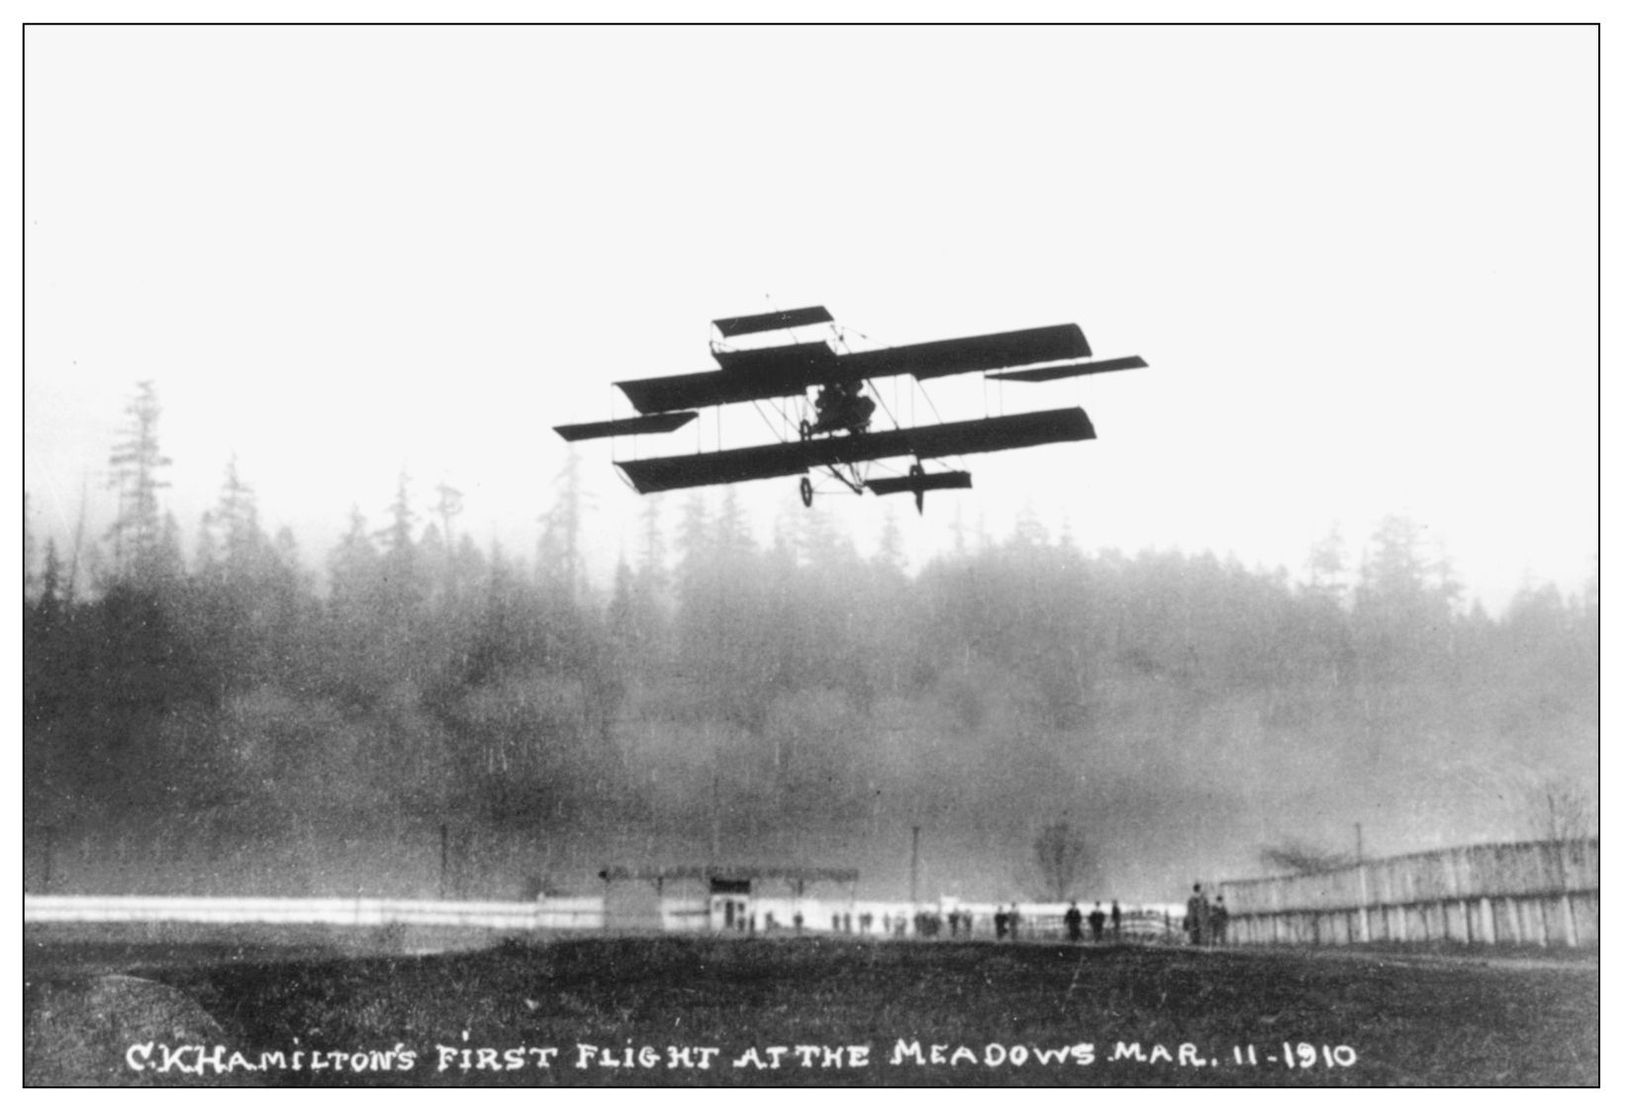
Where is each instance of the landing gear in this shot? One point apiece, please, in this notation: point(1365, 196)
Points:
point(805, 489)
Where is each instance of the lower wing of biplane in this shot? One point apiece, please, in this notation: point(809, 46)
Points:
point(839, 437)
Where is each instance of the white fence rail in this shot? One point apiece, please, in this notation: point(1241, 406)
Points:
point(576, 914)
point(547, 914)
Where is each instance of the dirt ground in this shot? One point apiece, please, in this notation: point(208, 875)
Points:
point(808, 1010)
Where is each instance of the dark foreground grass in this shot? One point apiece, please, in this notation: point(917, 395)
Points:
point(992, 1014)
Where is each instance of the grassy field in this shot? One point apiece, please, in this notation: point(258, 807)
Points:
point(635, 1010)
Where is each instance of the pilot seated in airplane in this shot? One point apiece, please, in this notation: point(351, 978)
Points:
point(842, 406)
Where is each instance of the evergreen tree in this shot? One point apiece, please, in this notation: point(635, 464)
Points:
point(559, 546)
point(890, 546)
point(1402, 621)
point(449, 502)
point(168, 566)
point(402, 589)
point(48, 602)
point(1326, 568)
point(1027, 530)
point(398, 558)
point(29, 592)
point(234, 539)
point(353, 567)
point(138, 532)
point(695, 546)
point(653, 551)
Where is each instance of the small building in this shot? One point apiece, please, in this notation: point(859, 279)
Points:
point(725, 898)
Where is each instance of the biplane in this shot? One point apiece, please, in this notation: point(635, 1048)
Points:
point(833, 429)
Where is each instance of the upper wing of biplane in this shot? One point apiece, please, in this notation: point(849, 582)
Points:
point(998, 433)
point(787, 370)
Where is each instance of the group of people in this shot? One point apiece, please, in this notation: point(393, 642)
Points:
point(1006, 922)
point(927, 924)
point(1206, 920)
point(1073, 920)
point(1205, 923)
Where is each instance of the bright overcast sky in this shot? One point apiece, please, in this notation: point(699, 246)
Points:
point(1361, 261)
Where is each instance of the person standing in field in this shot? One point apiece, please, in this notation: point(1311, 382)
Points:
point(1218, 920)
point(1071, 920)
point(1115, 916)
point(1197, 921)
point(1000, 922)
point(1098, 919)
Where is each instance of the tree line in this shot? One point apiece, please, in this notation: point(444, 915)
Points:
point(419, 674)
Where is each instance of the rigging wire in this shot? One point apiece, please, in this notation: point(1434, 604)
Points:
point(873, 388)
point(758, 406)
point(915, 386)
point(936, 414)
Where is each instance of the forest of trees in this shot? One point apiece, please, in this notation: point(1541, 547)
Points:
point(208, 707)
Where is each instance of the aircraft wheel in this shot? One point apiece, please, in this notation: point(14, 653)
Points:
point(806, 489)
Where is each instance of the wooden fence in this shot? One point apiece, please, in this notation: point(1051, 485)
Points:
point(1544, 893)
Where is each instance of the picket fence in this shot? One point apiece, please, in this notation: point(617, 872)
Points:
point(1541, 893)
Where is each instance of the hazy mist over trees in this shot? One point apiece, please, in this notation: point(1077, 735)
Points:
point(227, 720)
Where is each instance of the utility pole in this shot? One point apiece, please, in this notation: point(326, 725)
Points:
point(915, 863)
point(715, 823)
point(1362, 888)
